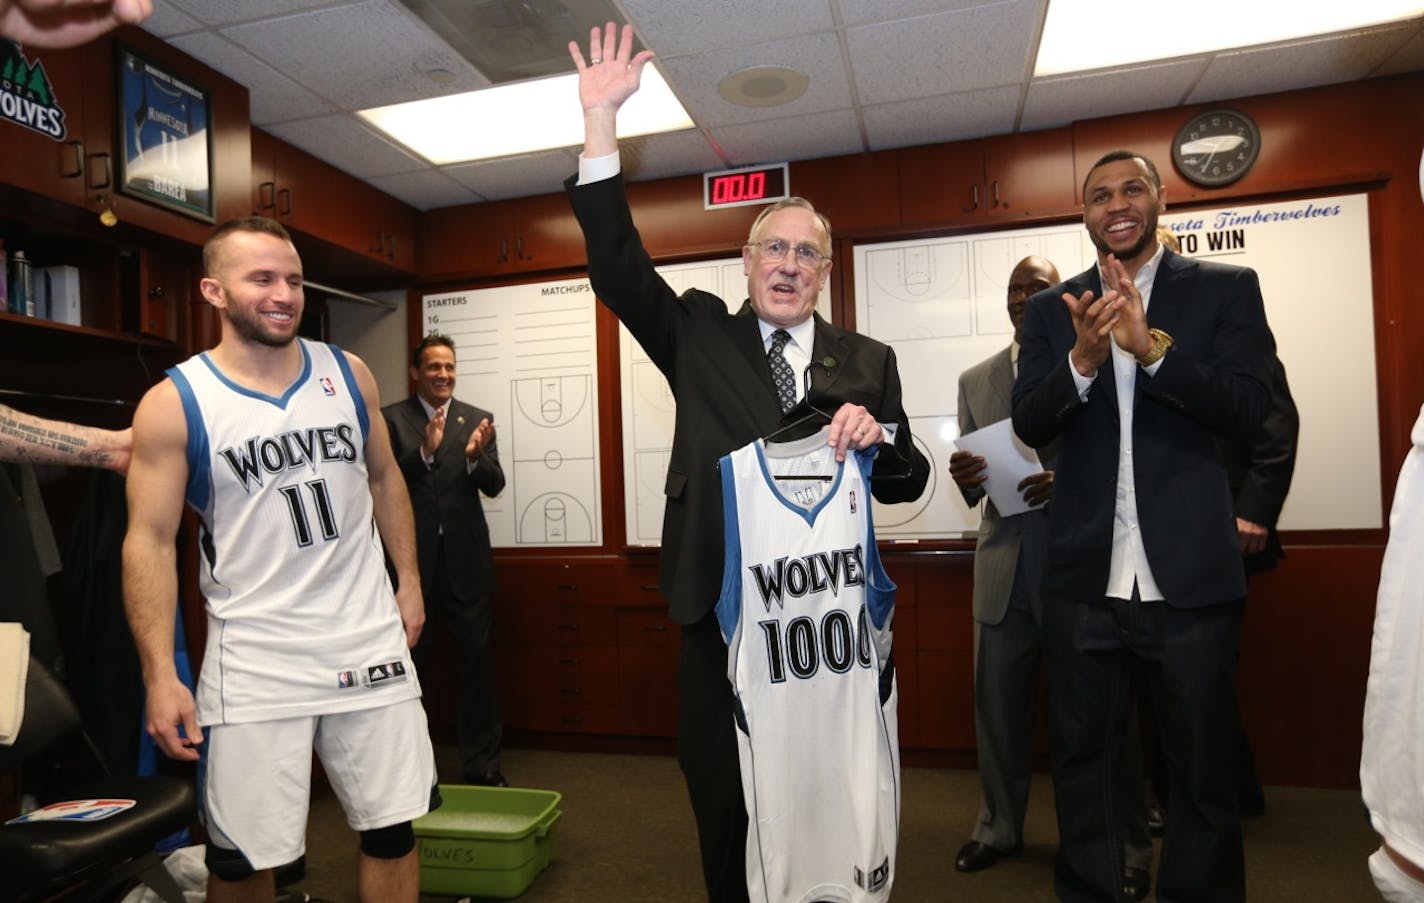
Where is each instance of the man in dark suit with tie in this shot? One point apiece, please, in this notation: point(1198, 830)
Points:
point(447, 451)
point(717, 365)
point(1138, 365)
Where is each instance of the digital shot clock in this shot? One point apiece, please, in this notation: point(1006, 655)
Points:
point(749, 185)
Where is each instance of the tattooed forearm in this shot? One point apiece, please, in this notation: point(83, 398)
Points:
point(31, 440)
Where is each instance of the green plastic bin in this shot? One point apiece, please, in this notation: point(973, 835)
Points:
point(486, 841)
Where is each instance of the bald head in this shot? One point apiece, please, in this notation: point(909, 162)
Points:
point(1029, 277)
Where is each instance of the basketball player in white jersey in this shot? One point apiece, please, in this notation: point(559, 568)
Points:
point(806, 611)
point(278, 445)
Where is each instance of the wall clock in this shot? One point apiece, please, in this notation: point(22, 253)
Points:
point(1216, 148)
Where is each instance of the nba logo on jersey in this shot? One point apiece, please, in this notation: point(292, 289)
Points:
point(852, 501)
point(326, 386)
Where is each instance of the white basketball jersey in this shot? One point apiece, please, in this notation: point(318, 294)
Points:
point(301, 616)
point(806, 608)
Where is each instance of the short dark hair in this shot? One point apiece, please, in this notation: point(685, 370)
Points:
point(1113, 157)
point(260, 224)
point(430, 341)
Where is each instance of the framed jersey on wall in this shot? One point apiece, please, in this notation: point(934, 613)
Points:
point(164, 140)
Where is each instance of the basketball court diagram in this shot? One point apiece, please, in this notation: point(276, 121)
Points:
point(535, 347)
point(940, 303)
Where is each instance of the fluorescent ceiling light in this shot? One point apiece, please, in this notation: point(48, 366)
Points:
point(519, 118)
point(1098, 34)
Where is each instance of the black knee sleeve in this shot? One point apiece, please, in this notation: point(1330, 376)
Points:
point(229, 865)
point(390, 842)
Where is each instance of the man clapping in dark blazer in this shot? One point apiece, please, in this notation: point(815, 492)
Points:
point(1139, 365)
point(446, 450)
point(718, 365)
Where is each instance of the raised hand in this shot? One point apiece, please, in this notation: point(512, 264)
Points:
point(612, 73)
point(610, 76)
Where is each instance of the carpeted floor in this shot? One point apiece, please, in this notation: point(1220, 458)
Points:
point(627, 836)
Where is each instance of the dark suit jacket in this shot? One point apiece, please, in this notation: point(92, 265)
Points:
point(716, 365)
point(1212, 382)
point(446, 498)
point(1259, 469)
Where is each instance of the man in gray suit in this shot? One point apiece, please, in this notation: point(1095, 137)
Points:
point(1008, 571)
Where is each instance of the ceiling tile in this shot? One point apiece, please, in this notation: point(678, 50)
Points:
point(1303, 64)
point(816, 56)
point(949, 117)
point(672, 154)
point(227, 12)
point(273, 96)
point(1052, 102)
point(674, 27)
point(347, 144)
point(964, 50)
point(515, 177)
point(168, 20)
point(864, 12)
point(377, 54)
point(801, 138)
point(1408, 58)
point(425, 190)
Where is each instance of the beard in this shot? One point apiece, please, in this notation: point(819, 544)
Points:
point(1149, 234)
point(251, 327)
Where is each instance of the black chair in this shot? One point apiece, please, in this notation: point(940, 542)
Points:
point(85, 861)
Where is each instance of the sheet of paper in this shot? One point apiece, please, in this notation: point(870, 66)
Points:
point(1009, 460)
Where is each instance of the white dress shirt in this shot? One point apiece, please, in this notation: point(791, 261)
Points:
point(1128, 564)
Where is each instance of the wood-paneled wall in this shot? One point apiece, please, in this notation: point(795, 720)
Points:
point(1308, 624)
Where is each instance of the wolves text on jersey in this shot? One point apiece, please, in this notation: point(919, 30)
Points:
point(289, 451)
point(813, 573)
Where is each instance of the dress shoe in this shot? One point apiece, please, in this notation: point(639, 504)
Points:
point(1156, 819)
point(975, 856)
point(489, 779)
point(1136, 883)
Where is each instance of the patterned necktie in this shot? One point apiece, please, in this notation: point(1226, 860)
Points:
point(781, 371)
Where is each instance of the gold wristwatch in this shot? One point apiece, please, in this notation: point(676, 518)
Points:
point(1160, 343)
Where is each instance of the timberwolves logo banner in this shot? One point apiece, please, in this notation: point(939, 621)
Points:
point(26, 95)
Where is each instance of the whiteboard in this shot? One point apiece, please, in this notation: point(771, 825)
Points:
point(529, 354)
point(940, 304)
point(649, 411)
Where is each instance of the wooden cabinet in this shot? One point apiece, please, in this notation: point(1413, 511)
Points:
point(648, 642)
point(858, 194)
point(38, 160)
point(670, 218)
point(315, 199)
point(499, 238)
point(555, 649)
point(1308, 139)
point(991, 180)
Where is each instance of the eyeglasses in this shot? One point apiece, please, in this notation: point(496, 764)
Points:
point(776, 249)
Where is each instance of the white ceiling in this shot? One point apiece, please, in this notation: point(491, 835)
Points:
point(883, 74)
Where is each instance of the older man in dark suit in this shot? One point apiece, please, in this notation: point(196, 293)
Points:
point(721, 369)
point(447, 451)
point(1138, 365)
